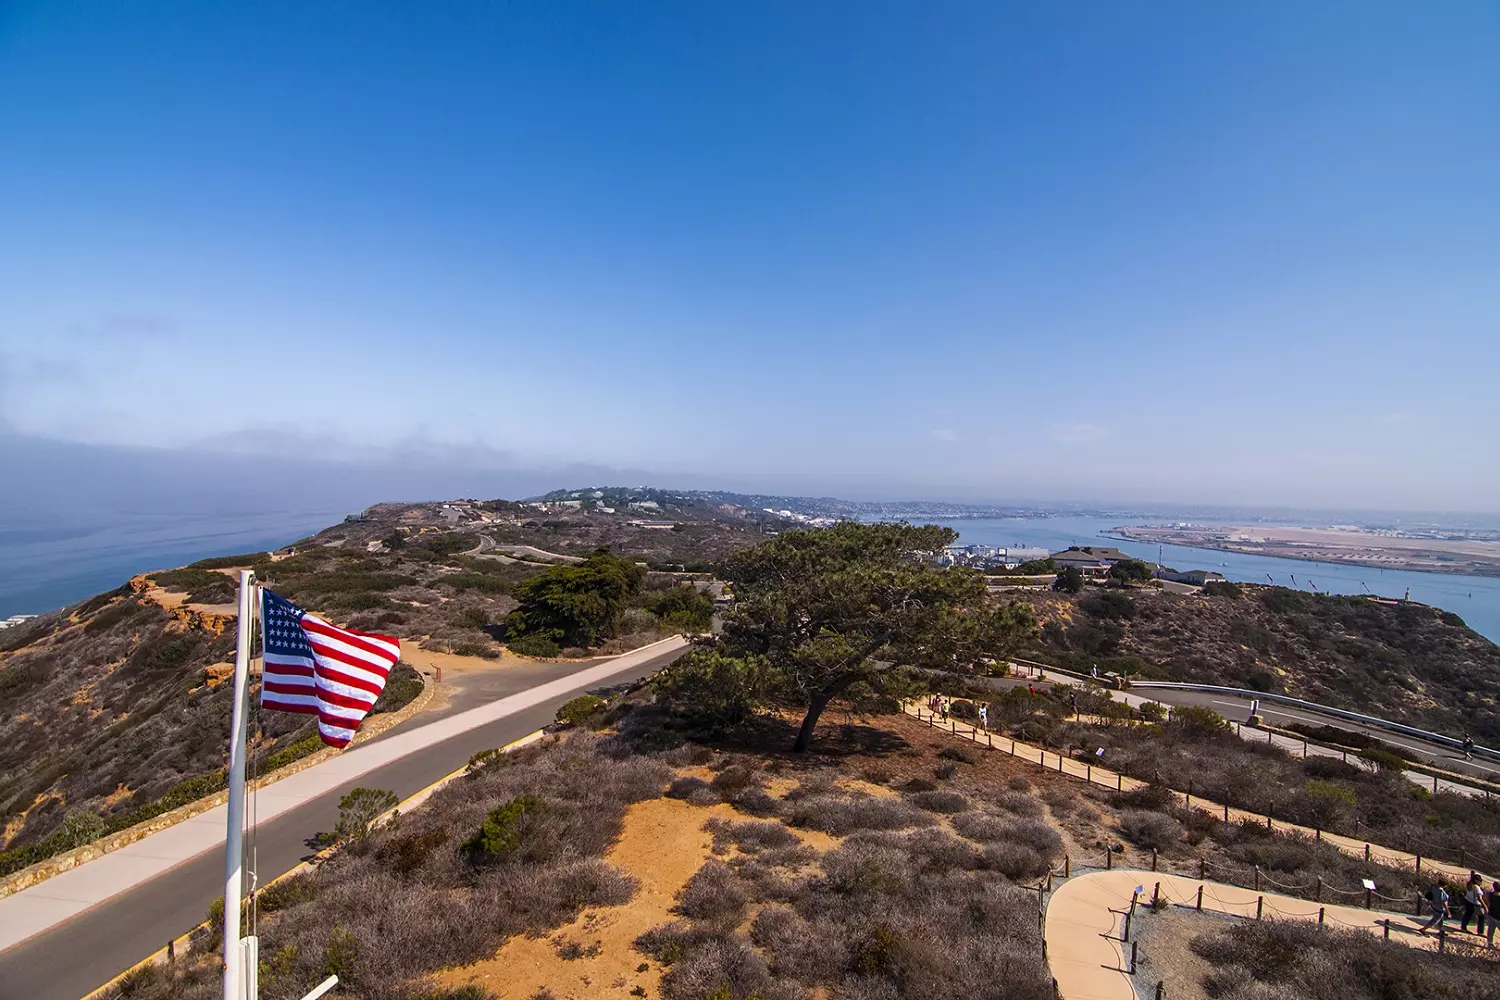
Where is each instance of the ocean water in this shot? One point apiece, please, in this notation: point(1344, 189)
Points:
point(1475, 598)
point(49, 563)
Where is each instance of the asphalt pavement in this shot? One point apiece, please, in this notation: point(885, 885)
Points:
point(1236, 709)
point(72, 958)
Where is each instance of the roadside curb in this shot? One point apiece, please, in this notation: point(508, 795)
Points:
point(182, 944)
point(57, 864)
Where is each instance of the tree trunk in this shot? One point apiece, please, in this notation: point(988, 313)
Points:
point(810, 720)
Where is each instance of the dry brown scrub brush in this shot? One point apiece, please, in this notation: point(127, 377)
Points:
point(1292, 960)
point(435, 904)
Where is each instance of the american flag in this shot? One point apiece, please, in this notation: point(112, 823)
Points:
point(320, 669)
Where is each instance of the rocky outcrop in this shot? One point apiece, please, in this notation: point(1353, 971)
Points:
point(192, 616)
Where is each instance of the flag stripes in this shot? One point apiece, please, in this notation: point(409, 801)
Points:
point(317, 668)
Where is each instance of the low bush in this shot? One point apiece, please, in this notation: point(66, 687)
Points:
point(988, 828)
point(1272, 960)
point(941, 801)
point(535, 646)
point(499, 837)
point(713, 894)
point(358, 809)
point(1151, 830)
point(959, 754)
point(842, 815)
point(751, 837)
point(579, 710)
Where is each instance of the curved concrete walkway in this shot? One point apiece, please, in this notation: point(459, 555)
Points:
point(1084, 921)
point(1052, 761)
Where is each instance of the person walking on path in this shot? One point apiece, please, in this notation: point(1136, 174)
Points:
point(1492, 902)
point(984, 717)
point(1468, 747)
point(1473, 904)
point(1437, 898)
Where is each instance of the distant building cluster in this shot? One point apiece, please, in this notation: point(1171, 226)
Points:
point(989, 557)
point(807, 519)
point(15, 620)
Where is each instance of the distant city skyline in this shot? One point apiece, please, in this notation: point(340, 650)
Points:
point(1160, 253)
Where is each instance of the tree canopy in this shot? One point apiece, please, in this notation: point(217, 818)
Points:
point(1069, 581)
point(574, 605)
point(1130, 571)
point(845, 610)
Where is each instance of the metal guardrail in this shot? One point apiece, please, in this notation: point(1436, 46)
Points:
point(1312, 706)
point(1369, 720)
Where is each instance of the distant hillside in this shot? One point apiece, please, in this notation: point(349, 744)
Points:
point(118, 705)
point(1405, 662)
point(757, 504)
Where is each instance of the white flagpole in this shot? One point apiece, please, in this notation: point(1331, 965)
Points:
point(234, 840)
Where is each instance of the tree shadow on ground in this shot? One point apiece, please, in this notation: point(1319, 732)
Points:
point(767, 735)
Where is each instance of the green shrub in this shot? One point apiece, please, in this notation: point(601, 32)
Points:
point(1222, 588)
point(1197, 722)
point(500, 836)
point(287, 893)
point(685, 607)
point(472, 617)
point(534, 645)
point(228, 562)
point(187, 578)
point(82, 826)
point(358, 809)
point(718, 690)
point(1384, 759)
point(401, 686)
point(339, 955)
point(577, 711)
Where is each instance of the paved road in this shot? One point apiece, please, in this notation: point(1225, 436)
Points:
point(74, 957)
point(1237, 709)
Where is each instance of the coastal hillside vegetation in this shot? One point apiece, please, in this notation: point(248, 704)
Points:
point(116, 710)
point(1405, 662)
point(645, 851)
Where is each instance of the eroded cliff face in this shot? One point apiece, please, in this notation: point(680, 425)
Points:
point(109, 705)
point(206, 618)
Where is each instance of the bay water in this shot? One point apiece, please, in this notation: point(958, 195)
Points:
point(1474, 598)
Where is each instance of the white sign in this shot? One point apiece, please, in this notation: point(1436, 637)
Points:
point(1369, 885)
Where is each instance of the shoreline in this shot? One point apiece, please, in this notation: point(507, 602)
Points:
point(1325, 557)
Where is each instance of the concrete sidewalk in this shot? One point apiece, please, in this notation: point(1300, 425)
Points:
point(40, 907)
point(1084, 921)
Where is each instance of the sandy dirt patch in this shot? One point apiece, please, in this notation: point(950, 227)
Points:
point(662, 844)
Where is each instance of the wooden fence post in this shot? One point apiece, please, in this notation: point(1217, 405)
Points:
point(1153, 862)
point(1321, 910)
point(1200, 898)
point(1260, 905)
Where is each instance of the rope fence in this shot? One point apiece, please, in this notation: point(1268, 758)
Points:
point(1107, 778)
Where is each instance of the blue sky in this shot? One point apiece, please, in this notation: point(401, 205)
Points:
point(1073, 250)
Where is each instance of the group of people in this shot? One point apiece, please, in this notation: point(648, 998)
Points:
point(1480, 905)
point(942, 705)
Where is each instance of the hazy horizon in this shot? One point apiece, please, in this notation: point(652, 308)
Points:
point(1166, 254)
